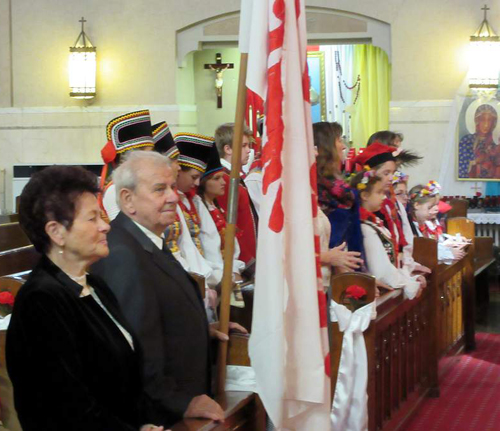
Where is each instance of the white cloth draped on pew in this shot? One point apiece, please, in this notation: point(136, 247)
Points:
point(240, 378)
point(350, 401)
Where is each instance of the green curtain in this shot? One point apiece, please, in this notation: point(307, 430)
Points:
point(371, 111)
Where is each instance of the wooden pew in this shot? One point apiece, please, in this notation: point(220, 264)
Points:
point(18, 260)
point(482, 263)
point(407, 339)
point(9, 218)
point(12, 236)
point(458, 208)
point(397, 344)
point(244, 410)
point(8, 413)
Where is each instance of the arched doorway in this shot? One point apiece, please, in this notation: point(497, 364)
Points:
point(329, 30)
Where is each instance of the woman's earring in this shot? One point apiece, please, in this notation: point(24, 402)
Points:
point(61, 251)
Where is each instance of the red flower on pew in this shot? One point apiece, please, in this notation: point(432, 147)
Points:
point(355, 292)
point(6, 298)
point(6, 303)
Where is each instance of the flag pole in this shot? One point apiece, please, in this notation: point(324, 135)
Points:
point(229, 235)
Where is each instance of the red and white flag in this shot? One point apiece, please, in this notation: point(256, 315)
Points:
point(289, 341)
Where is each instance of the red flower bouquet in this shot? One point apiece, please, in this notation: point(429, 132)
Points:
point(355, 296)
point(6, 303)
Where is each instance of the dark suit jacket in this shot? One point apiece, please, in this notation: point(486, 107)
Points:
point(164, 306)
point(71, 367)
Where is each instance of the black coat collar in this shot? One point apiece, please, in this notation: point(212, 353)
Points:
point(62, 277)
point(164, 259)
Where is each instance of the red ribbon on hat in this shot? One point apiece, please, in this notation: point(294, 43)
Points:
point(108, 152)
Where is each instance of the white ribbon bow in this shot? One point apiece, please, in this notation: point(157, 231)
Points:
point(350, 401)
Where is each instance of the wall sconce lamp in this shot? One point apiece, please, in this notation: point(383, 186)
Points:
point(82, 67)
point(485, 57)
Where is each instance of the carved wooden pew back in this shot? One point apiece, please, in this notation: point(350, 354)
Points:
point(397, 344)
point(12, 236)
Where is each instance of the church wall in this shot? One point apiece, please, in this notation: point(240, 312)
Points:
point(424, 125)
point(206, 100)
point(137, 68)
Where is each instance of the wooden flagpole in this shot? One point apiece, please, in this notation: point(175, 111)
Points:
point(232, 210)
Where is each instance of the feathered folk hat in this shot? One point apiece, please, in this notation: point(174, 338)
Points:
point(213, 164)
point(164, 141)
point(194, 150)
point(378, 153)
point(127, 132)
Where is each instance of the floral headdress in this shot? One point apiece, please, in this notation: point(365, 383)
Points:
point(431, 189)
point(399, 177)
point(367, 175)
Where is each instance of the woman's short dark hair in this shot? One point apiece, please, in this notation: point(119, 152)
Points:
point(50, 195)
point(328, 160)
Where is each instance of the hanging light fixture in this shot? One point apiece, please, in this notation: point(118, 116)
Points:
point(82, 67)
point(485, 57)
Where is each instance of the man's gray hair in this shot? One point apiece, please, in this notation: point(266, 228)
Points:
point(126, 175)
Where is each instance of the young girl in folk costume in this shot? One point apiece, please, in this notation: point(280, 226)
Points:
point(125, 133)
point(384, 160)
point(423, 211)
point(338, 217)
point(400, 187)
point(194, 151)
point(213, 218)
point(380, 251)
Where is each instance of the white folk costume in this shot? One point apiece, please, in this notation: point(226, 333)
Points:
point(407, 255)
point(125, 133)
point(194, 151)
point(213, 226)
point(381, 258)
point(432, 229)
point(253, 181)
point(325, 230)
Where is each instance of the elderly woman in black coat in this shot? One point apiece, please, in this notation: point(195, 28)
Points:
point(73, 362)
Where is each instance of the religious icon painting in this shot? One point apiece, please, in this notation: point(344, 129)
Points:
point(478, 155)
point(317, 88)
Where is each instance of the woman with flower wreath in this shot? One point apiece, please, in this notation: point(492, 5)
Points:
point(339, 214)
point(380, 250)
point(213, 219)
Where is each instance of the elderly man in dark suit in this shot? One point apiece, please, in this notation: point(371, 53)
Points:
point(160, 300)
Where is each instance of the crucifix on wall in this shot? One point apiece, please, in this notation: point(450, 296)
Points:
point(219, 67)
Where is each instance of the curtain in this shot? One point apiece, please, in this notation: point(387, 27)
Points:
point(336, 107)
point(371, 111)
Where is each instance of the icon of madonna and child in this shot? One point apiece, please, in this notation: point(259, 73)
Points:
point(479, 145)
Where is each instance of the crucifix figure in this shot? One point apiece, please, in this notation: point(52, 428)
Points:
point(219, 67)
point(476, 188)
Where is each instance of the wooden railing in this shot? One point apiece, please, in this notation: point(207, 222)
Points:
point(407, 339)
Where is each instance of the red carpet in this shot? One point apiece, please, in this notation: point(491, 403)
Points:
point(470, 392)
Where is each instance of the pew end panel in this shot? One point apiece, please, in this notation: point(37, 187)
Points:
point(18, 260)
point(8, 412)
point(462, 226)
point(339, 284)
point(12, 236)
point(459, 208)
